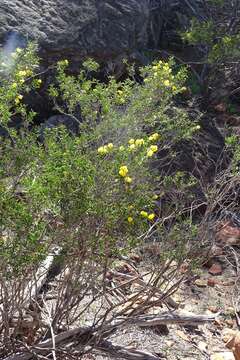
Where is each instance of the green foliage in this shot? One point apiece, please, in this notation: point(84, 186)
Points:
point(214, 34)
point(216, 38)
point(96, 191)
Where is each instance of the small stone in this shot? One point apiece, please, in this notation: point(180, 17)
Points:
point(215, 269)
point(226, 355)
point(201, 283)
point(230, 311)
point(228, 334)
point(230, 322)
point(184, 268)
point(213, 309)
point(211, 282)
point(228, 283)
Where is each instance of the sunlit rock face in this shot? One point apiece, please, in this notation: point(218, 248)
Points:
point(78, 27)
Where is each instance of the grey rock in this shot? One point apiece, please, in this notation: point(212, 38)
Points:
point(103, 29)
point(71, 124)
point(79, 27)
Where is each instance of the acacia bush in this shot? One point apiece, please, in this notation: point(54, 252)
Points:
point(94, 197)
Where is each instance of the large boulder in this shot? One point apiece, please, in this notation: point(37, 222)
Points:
point(100, 28)
point(76, 28)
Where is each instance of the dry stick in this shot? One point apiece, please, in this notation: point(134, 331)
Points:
point(46, 346)
point(144, 321)
point(124, 353)
point(166, 319)
point(169, 301)
point(32, 289)
point(51, 329)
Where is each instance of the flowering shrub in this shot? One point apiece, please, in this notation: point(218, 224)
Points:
point(101, 186)
point(87, 201)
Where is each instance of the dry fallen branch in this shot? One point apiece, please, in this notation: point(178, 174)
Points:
point(124, 353)
point(32, 288)
point(85, 336)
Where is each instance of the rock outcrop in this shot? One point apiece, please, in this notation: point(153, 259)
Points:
point(78, 27)
point(100, 28)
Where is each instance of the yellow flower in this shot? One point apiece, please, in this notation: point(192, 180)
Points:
point(65, 62)
point(121, 148)
point(18, 99)
point(183, 88)
point(166, 83)
point(144, 214)
point(29, 72)
point(128, 179)
point(123, 171)
point(155, 197)
point(131, 207)
point(18, 50)
point(39, 81)
point(110, 146)
point(174, 88)
point(139, 142)
point(102, 150)
point(132, 147)
point(130, 220)
point(151, 217)
point(22, 73)
point(154, 137)
point(154, 148)
point(120, 92)
point(131, 141)
point(150, 153)
point(14, 85)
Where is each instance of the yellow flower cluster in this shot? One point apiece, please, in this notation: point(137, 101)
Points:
point(150, 217)
point(139, 142)
point(130, 219)
point(163, 73)
point(121, 97)
point(154, 137)
point(145, 215)
point(18, 99)
point(135, 143)
point(123, 171)
point(153, 149)
point(103, 150)
point(24, 73)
